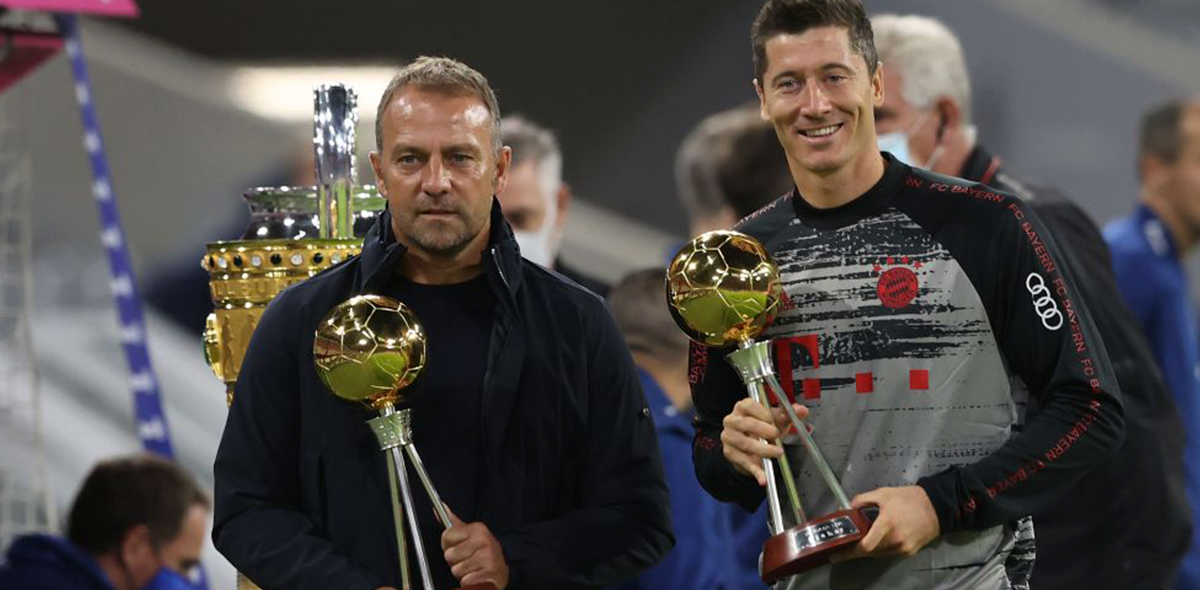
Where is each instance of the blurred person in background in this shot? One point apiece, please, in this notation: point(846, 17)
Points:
point(1148, 248)
point(703, 556)
point(728, 167)
point(137, 523)
point(536, 201)
point(1123, 525)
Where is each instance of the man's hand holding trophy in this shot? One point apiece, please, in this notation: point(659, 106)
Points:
point(368, 349)
point(724, 290)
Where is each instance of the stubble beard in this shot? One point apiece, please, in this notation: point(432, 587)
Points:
point(440, 238)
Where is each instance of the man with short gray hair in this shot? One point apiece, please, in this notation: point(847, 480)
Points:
point(1121, 526)
point(528, 409)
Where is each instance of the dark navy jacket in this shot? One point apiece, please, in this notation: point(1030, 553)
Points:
point(42, 562)
point(572, 482)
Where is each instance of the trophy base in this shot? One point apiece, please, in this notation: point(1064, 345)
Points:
point(809, 545)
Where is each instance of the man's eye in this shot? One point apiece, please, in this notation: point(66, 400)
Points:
point(460, 158)
point(407, 159)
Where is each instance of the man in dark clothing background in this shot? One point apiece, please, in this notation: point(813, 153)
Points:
point(540, 438)
point(137, 523)
point(1125, 524)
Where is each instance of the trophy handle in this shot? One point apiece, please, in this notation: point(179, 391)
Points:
point(410, 511)
point(438, 506)
point(809, 444)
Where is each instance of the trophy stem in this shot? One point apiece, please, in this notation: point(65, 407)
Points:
point(398, 518)
point(839, 494)
point(334, 122)
point(438, 506)
point(410, 511)
point(789, 484)
point(773, 508)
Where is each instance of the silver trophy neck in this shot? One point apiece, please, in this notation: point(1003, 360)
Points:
point(335, 119)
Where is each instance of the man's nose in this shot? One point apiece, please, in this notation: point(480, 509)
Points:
point(436, 180)
point(814, 101)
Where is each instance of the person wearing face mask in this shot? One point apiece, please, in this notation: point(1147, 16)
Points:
point(1106, 532)
point(137, 523)
point(536, 201)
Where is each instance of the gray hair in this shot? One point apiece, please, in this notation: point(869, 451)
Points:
point(444, 74)
point(531, 142)
point(639, 304)
point(928, 56)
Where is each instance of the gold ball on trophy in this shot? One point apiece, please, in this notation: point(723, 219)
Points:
point(368, 349)
point(723, 288)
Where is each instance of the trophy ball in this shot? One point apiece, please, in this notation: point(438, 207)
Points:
point(368, 349)
point(723, 288)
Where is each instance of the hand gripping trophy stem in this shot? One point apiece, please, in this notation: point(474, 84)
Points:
point(369, 349)
point(724, 289)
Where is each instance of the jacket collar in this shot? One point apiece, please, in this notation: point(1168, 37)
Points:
point(501, 259)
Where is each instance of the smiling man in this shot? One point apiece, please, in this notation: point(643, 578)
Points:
point(923, 314)
point(528, 411)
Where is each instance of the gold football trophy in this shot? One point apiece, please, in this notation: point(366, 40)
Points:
point(294, 233)
point(369, 349)
point(723, 289)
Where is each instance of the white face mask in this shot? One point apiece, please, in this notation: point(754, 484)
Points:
point(896, 143)
point(540, 245)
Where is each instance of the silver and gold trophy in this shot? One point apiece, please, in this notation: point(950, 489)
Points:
point(723, 290)
point(369, 349)
point(294, 233)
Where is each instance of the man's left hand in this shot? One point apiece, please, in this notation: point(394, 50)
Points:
point(906, 523)
point(474, 554)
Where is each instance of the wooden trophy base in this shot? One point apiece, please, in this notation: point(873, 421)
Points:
point(809, 545)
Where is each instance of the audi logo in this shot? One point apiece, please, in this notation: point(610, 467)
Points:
point(1043, 304)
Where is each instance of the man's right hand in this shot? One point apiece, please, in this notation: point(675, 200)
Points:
point(744, 430)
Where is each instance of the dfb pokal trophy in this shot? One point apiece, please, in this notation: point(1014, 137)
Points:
point(723, 290)
point(294, 233)
point(369, 349)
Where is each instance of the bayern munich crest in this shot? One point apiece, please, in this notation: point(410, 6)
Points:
point(898, 284)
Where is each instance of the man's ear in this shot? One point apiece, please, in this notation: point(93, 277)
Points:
point(877, 89)
point(375, 165)
point(562, 203)
point(503, 163)
point(762, 101)
point(950, 112)
point(135, 543)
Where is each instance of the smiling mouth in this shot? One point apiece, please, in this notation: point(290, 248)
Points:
point(820, 132)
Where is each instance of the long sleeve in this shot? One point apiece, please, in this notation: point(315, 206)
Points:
point(1050, 343)
point(259, 521)
point(716, 388)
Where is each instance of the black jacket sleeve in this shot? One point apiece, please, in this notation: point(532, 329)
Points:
point(1050, 343)
point(259, 524)
point(623, 522)
point(716, 388)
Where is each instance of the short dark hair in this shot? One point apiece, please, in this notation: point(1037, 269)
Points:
point(639, 304)
point(445, 74)
point(125, 492)
point(732, 158)
point(784, 17)
point(1161, 136)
